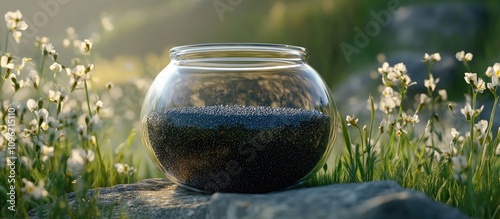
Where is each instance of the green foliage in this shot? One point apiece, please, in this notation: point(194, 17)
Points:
point(62, 122)
point(462, 171)
point(54, 128)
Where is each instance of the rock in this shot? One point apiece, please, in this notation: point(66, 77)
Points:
point(149, 198)
point(158, 198)
point(439, 26)
point(378, 199)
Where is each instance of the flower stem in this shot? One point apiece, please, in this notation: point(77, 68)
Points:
point(466, 64)
point(99, 156)
point(474, 96)
point(492, 117)
point(87, 97)
point(41, 66)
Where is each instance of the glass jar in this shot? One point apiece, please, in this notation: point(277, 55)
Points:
point(243, 118)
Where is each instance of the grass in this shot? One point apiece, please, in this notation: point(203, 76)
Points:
point(462, 171)
point(55, 132)
point(59, 126)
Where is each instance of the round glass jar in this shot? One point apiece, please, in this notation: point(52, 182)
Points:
point(238, 117)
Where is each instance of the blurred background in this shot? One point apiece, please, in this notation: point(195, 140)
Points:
point(347, 39)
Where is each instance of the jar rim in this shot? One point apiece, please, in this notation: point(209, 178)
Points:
point(271, 50)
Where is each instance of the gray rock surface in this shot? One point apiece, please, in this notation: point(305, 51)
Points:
point(158, 198)
point(432, 26)
point(149, 198)
point(378, 199)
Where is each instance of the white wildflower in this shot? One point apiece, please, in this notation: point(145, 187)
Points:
point(387, 104)
point(27, 162)
point(400, 68)
point(39, 41)
point(77, 74)
point(480, 127)
point(93, 140)
point(480, 86)
point(406, 80)
point(385, 68)
point(17, 36)
point(34, 78)
point(119, 167)
point(495, 70)
point(405, 118)
point(99, 105)
point(383, 126)
point(459, 164)
point(494, 83)
point(47, 152)
point(436, 57)
point(478, 111)
point(454, 133)
point(85, 47)
point(352, 121)
point(33, 124)
point(48, 49)
point(443, 94)
point(399, 130)
point(388, 92)
point(36, 192)
point(42, 114)
point(392, 78)
point(44, 126)
point(414, 119)
point(431, 83)
point(15, 24)
point(78, 160)
point(124, 168)
point(469, 113)
point(424, 99)
point(32, 105)
point(24, 60)
point(462, 56)
point(78, 71)
point(449, 152)
point(54, 96)
point(6, 62)
point(56, 67)
point(471, 78)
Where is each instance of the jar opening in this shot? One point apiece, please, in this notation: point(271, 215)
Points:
point(237, 54)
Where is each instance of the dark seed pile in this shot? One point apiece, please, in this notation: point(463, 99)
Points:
point(237, 148)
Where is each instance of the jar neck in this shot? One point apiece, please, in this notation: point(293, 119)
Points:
point(238, 54)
